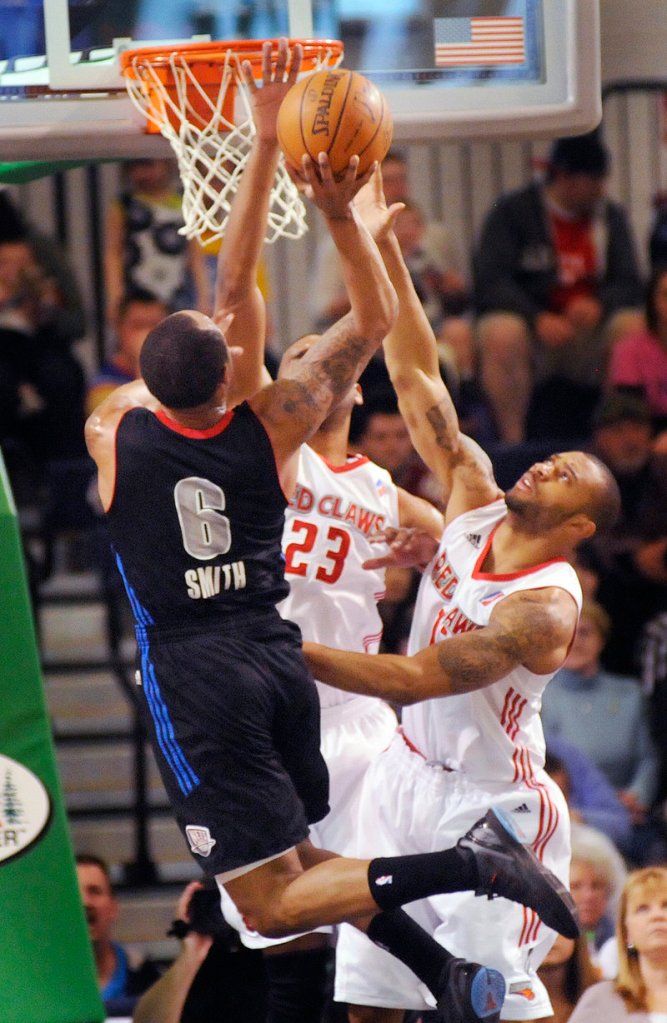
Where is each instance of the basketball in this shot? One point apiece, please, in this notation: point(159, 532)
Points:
point(338, 112)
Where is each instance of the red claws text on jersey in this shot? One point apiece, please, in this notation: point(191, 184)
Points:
point(450, 619)
point(335, 507)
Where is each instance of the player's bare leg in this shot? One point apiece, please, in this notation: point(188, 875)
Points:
point(281, 898)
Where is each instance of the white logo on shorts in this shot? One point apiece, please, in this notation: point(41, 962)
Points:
point(200, 839)
point(385, 879)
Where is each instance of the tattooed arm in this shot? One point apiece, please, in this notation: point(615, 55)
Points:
point(412, 360)
point(293, 409)
point(533, 628)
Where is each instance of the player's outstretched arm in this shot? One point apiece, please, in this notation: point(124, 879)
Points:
point(236, 291)
point(293, 409)
point(533, 628)
point(412, 361)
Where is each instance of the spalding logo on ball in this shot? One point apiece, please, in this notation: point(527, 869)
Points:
point(338, 112)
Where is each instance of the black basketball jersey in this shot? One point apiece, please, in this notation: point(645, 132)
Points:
point(196, 518)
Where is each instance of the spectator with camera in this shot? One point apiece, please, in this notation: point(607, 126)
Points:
point(120, 981)
point(213, 977)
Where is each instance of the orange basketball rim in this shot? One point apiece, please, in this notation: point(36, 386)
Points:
point(195, 95)
point(197, 81)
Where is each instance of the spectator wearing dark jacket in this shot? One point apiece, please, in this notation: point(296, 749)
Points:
point(555, 275)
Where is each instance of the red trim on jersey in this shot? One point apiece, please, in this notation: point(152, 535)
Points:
point(354, 462)
point(547, 825)
point(477, 570)
point(410, 745)
point(188, 431)
point(369, 641)
point(531, 925)
point(513, 708)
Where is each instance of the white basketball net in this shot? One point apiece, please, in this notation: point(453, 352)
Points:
point(211, 150)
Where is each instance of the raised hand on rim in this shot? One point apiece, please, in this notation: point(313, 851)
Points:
point(277, 79)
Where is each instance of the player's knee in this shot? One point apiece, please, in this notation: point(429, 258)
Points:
point(272, 920)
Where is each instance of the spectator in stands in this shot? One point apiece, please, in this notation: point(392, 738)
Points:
point(138, 313)
point(214, 976)
point(639, 993)
point(653, 659)
point(429, 251)
point(566, 972)
point(554, 273)
point(605, 715)
point(597, 875)
point(630, 560)
point(120, 983)
point(379, 431)
point(639, 361)
point(591, 798)
point(41, 380)
point(143, 247)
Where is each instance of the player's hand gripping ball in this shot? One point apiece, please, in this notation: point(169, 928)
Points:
point(338, 112)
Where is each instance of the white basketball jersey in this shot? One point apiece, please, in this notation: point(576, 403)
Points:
point(493, 734)
point(327, 525)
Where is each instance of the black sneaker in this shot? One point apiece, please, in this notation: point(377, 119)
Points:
point(511, 869)
point(471, 993)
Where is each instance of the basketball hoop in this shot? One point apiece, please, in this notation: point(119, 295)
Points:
point(189, 93)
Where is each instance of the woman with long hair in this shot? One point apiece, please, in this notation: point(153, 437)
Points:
point(639, 993)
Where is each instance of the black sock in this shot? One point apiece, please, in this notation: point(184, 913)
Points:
point(298, 985)
point(395, 880)
point(399, 934)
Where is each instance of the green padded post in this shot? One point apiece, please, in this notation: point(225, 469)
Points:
point(47, 971)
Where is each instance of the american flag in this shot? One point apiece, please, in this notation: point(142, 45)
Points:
point(465, 42)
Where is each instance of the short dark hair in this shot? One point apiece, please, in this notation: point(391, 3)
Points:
point(377, 401)
point(183, 364)
point(13, 227)
point(396, 155)
point(605, 508)
point(553, 763)
point(142, 296)
point(579, 154)
point(90, 860)
point(659, 271)
point(620, 406)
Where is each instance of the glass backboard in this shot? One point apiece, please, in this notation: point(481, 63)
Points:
point(449, 68)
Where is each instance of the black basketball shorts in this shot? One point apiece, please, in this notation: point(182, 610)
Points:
point(234, 720)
